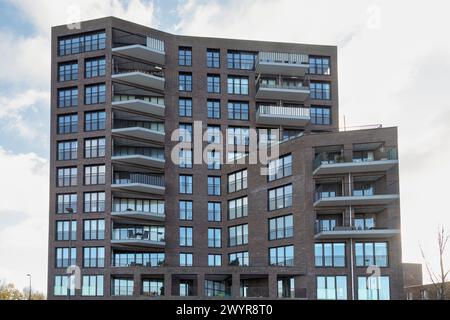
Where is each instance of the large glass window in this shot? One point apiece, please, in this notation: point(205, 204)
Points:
point(241, 60)
point(185, 81)
point(280, 198)
point(185, 56)
point(92, 286)
point(67, 177)
point(320, 90)
point(94, 257)
point(214, 212)
point(186, 236)
point(61, 286)
point(213, 108)
point(319, 65)
point(94, 148)
point(237, 85)
point(153, 287)
point(68, 150)
point(281, 256)
point(213, 58)
point(94, 202)
point(214, 238)
point(281, 227)
point(94, 121)
point(214, 186)
point(373, 288)
point(66, 257)
point(185, 210)
point(67, 97)
point(320, 115)
point(238, 110)
point(94, 229)
point(280, 168)
point(68, 71)
point(330, 254)
point(332, 288)
point(68, 123)
point(130, 259)
point(185, 184)
point(66, 230)
point(237, 181)
point(238, 235)
point(81, 43)
point(66, 202)
point(185, 107)
point(238, 208)
point(371, 253)
point(139, 205)
point(94, 94)
point(95, 67)
point(122, 287)
point(94, 175)
point(239, 259)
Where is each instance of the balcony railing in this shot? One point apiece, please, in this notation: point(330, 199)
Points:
point(140, 178)
point(287, 58)
point(282, 85)
point(140, 151)
point(273, 110)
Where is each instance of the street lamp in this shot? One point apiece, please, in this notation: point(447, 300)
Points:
point(29, 290)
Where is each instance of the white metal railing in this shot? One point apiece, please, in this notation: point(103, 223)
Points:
point(285, 111)
point(278, 57)
point(155, 44)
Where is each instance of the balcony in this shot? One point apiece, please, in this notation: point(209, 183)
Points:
point(351, 232)
point(138, 73)
point(289, 64)
point(141, 105)
point(139, 156)
point(139, 182)
point(152, 50)
point(283, 115)
point(140, 215)
point(282, 90)
point(140, 130)
point(145, 237)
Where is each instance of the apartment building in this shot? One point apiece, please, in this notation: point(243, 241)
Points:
point(131, 223)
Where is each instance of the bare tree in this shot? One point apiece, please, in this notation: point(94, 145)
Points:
point(439, 278)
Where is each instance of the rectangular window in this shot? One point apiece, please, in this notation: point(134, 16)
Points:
point(329, 254)
point(185, 156)
point(241, 60)
point(238, 208)
point(185, 210)
point(122, 287)
point(238, 235)
point(185, 132)
point(66, 257)
point(66, 203)
point(237, 85)
point(213, 58)
point(153, 287)
point(67, 177)
point(146, 259)
point(67, 97)
point(214, 212)
point(237, 181)
point(81, 43)
point(373, 288)
point(214, 238)
point(185, 81)
point(94, 175)
point(238, 136)
point(214, 186)
point(94, 94)
point(332, 288)
point(213, 109)
point(66, 230)
point(185, 184)
point(214, 134)
point(281, 228)
point(94, 229)
point(68, 150)
point(94, 257)
point(61, 286)
point(238, 110)
point(280, 168)
point(68, 71)
point(186, 259)
point(185, 56)
point(94, 202)
point(95, 67)
point(213, 83)
point(92, 286)
point(319, 65)
point(94, 121)
point(214, 160)
point(68, 123)
point(185, 107)
point(320, 115)
point(239, 259)
point(282, 256)
point(371, 254)
point(139, 205)
point(320, 90)
point(214, 260)
point(280, 198)
point(94, 148)
point(186, 236)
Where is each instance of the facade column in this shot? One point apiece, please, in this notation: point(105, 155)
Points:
point(273, 286)
point(236, 286)
point(167, 285)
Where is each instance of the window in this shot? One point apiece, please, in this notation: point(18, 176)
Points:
point(185, 56)
point(94, 148)
point(236, 157)
point(320, 115)
point(65, 202)
point(319, 65)
point(373, 288)
point(238, 85)
point(213, 58)
point(238, 136)
point(214, 212)
point(214, 134)
point(214, 238)
point(94, 94)
point(94, 175)
point(185, 210)
point(237, 181)
point(216, 289)
point(92, 286)
point(213, 83)
point(281, 228)
point(94, 202)
point(67, 177)
point(95, 67)
point(214, 161)
point(238, 235)
point(214, 260)
point(238, 110)
point(66, 257)
point(332, 288)
point(153, 287)
point(238, 259)
point(186, 236)
point(122, 287)
point(371, 254)
point(320, 90)
point(280, 168)
point(185, 81)
point(81, 43)
point(185, 158)
point(267, 135)
point(214, 186)
point(237, 208)
point(185, 131)
point(329, 254)
point(365, 221)
point(94, 229)
point(67, 97)
point(61, 286)
point(146, 259)
point(94, 121)
point(68, 123)
point(186, 259)
point(139, 205)
point(68, 150)
point(281, 256)
point(68, 71)
point(185, 107)
point(241, 60)
point(213, 109)
point(66, 230)
point(185, 184)
point(280, 198)
point(94, 257)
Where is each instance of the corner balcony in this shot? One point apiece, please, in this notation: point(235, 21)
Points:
point(140, 215)
point(141, 106)
point(283, 115)
point(139, 130)
point(139, 156)
point(138, 73)
point(350, 232)
point(285, 91)
point(141, 237)
point(139, 182)
point(323, 200)
point(152, 51)
point(275, 63)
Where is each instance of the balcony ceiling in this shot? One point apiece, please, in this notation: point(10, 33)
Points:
point(142, 53)
point(140, 188)
point(139, 160)
point(140, 133)
point(141, 79)
point(138, 243)
point(138, 215)
point(280, 68)
point(141, 106)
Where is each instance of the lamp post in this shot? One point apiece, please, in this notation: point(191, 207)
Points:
point(29, 289)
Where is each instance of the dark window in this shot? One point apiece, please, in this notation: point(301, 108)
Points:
point(237, 85)
point(68, 150)
point(280, 168)
point(238, 235)
point(329, 254)
point(94, 121)
point(238, 110)
point(67, 97)
point(185, 184)
point(94, 175)
point(241, 60)
point(213, 83)
point(68, 123)
point(67, 177)
point(94, 148)
point(81, 43)
point(185, 210)
point(237, 208)
point(94, 229)
point(95, 94)
point(65, 202)
point(214, 212)
point(95, 67)
point(319, 65)
point(280, 198)
point(186, 236)
point(213, 58)
point(94, 257)
point(320, 90)
point(320, 115)
point(94, 202)
point(281, 256)
point(213, 109)
point(185, 107)
point(66, 230)
point(281, 228)
point(185, 56)
point(185, 81)
point(68, 71)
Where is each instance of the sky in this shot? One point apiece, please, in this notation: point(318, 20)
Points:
point(394, 66)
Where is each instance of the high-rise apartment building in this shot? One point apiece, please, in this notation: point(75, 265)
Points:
point(324, 223)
